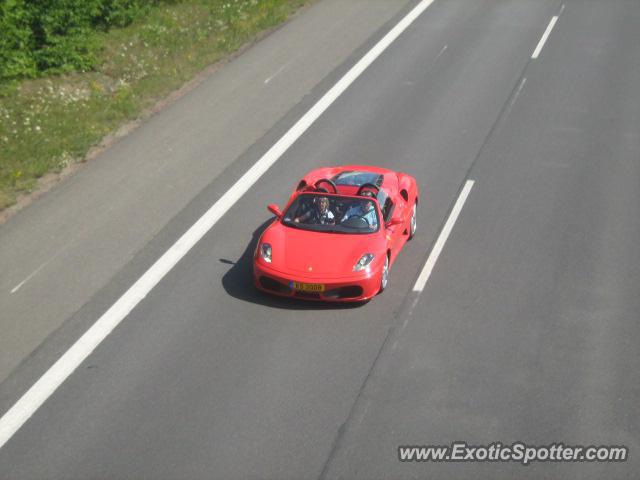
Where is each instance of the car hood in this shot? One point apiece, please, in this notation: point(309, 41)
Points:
point(318, 253)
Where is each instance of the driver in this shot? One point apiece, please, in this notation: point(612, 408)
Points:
point(320, 214)
point(363, 209)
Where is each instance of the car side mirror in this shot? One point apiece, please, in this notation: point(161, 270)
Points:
point(273, 208)
point(393, 222)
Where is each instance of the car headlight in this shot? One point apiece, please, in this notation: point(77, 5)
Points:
point(364, 262)
point(265, 252)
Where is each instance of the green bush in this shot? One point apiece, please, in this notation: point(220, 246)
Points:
point(16, 39)
point(51, 36)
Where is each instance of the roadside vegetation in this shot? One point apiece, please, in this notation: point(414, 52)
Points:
point(66, 82)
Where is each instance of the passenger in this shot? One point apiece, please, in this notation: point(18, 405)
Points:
point(363, 209)
point(320, 215)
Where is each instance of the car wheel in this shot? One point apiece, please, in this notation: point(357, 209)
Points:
point(384, 278)
point(414, 221)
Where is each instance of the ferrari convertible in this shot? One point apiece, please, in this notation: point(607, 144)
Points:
point(338, 235)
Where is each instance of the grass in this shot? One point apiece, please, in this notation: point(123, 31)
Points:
point(48, 123)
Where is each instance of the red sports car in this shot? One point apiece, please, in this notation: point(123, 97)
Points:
point(339, 234)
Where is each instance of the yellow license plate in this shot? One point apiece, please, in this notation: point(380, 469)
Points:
point(307, 287)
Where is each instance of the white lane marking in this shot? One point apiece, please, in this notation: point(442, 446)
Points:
point(277, 72)
point(545, 35)
point(31, 275)
point(442, 238)
point(22, 410)
point(410, 83)
point(520, 87)
point(515, 97)
point(440, 54)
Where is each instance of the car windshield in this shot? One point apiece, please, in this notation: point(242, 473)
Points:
point(332, 213)
point(357, 178)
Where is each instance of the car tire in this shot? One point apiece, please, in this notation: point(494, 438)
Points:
point(413, 223)
point(384, 277)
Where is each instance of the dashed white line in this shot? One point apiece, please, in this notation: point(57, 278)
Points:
point(33, 274)
point(515, 97)
point(520, 87)
point(277, 72)
point(22, 410)
point(29, 277)
point(440, 54)
point(544, 37)
point(442, 238)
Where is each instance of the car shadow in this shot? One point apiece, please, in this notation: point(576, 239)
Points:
point(238, 282)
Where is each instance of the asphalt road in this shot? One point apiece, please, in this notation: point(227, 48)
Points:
point(69, 245)
point(527, 329)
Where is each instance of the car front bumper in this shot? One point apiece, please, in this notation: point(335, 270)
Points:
point(358, 287)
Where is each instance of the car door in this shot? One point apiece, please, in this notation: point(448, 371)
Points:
point(394, 233)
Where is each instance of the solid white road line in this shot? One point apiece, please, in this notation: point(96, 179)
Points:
point(545, 35)
point(19, 413)
point(442, 238)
